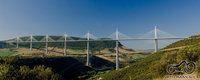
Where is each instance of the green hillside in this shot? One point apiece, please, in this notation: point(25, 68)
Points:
point(154, 66)
point(6, 53)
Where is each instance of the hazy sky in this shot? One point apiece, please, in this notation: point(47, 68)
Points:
point(100, 17)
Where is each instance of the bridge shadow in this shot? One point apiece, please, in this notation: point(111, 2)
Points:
point(101, 64)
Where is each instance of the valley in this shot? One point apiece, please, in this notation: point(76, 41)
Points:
point(102, 58)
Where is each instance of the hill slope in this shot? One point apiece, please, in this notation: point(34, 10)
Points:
point(154, 66)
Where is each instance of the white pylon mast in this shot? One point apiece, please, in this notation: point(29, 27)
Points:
point(88, 49)
point(156, 40)
point(17, 42)
point(47, 37)
point(31, 43)
point(65, 44)
point(117, 49)
point(156, 37)
point(117, 34)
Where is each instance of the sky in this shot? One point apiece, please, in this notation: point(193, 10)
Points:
point(100, 17)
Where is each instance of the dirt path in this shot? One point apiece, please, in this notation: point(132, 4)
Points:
point(109, 59)
point(169, 49)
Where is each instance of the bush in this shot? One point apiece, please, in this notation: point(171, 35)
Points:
point(10, 71)
point(7, 72)
point(37, 73)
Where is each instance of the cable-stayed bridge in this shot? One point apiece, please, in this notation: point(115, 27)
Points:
point(116, 36)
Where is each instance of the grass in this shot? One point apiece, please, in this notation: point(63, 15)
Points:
point(6, 53)
point(138, 56)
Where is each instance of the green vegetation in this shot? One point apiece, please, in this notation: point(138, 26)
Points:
point(51, 68)
point(4, 53)
point(138, 56)
point(154, 66)
point(9, 70)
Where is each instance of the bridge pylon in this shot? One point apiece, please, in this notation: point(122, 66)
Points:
point(117, 49)
point(156, 40)
point(88, 49)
